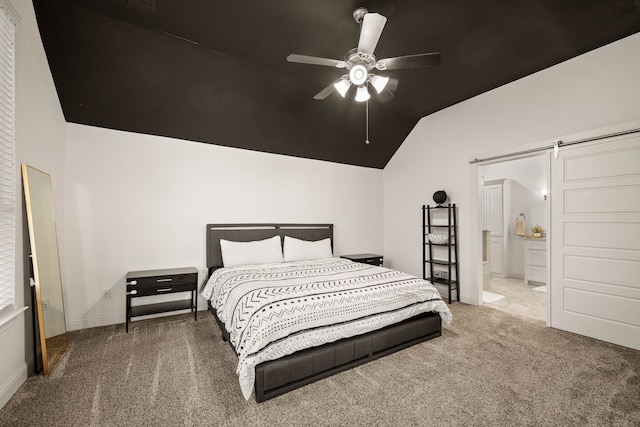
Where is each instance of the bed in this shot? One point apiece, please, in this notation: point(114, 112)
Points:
point(309, 315)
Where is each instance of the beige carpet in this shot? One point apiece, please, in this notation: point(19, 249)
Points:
point(490, 368)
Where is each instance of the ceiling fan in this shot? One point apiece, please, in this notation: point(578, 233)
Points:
point(360, 61)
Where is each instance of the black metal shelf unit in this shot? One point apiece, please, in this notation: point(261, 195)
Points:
point(441, 254)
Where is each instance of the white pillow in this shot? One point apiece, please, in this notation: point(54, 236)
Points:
point(254, 252)
point(302, 250)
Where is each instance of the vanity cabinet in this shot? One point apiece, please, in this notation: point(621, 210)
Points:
point(535, 261)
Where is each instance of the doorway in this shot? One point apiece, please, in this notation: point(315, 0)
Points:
point(513, 200)
point(593, 212)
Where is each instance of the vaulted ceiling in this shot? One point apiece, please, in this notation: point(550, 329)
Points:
point(216, 71)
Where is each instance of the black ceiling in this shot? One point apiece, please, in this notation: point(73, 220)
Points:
point(216, 71)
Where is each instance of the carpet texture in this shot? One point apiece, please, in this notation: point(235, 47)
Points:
point(490, 368)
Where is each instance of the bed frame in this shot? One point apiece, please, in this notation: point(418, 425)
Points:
point(276, 377)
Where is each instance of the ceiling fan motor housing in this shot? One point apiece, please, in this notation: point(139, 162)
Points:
point(359, 13)
point(354, 57)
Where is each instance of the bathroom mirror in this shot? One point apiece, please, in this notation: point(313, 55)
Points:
point(46, 265)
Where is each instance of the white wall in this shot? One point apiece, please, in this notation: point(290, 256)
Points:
point(597, 89)
point(528, 171)
point(40, 142)
point(137, 202)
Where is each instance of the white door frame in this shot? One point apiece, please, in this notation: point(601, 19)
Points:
point(475, 204)
point(476, 214)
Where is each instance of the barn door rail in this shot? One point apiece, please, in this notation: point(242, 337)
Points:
point(555, 146)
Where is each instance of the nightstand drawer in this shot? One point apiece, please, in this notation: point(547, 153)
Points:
point(159, 290)
point(161, 281)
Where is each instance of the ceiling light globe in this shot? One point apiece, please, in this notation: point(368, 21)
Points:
point(358, 74)
point(379, 83)
point(342, 86)
point(362, 94)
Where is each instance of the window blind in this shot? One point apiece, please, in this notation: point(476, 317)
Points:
point(7, 158)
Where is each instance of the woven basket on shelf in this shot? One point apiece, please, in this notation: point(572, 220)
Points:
point(438, 238)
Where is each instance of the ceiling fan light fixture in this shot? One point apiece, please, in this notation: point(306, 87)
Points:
point(379, 83)
point(342, 86)
point(358, 74)
point(361, 60)
point(362, 94)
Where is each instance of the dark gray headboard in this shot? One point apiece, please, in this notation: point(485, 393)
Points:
point(249, 232)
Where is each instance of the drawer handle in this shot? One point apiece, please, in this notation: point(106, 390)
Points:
point(132, 292)
point(164, 290)
point(163, 280)
point(133, 282)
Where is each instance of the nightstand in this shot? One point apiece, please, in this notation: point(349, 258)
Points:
point(372, 259)
point(159, 282)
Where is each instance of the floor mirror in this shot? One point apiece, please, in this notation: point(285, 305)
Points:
point(47, 278)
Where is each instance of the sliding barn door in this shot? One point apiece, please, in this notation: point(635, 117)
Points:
point(595, 240)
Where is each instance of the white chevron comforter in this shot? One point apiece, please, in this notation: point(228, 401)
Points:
point(272, 310)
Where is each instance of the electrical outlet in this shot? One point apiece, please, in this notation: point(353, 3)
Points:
point(106, 294)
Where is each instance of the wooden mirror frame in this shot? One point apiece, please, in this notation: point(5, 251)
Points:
point(45, 260)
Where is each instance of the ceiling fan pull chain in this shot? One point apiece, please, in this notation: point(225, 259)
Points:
point(367, 121)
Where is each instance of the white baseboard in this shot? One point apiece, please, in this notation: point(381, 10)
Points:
point(74, 325)
point(12, 385)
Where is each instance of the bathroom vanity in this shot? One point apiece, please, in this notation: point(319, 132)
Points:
point(535, 260)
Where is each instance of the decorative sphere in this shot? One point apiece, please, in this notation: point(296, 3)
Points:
point(440, 197)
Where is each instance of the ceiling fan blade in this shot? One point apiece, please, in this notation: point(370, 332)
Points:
point(409, 61)
point(327, 90)
point(372, 26)
point(389, 90)
point(314, 60)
